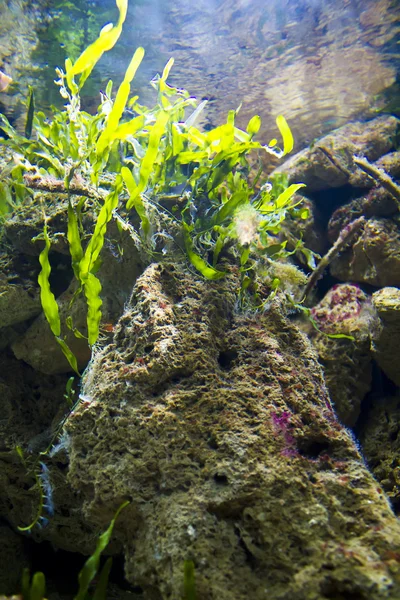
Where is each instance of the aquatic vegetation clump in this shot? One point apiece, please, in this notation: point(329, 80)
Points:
point(156, 162)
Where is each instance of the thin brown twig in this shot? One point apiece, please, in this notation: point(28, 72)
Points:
point(379, 175)
point(346, 236)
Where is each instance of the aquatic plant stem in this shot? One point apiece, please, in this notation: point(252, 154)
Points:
point(380, 176)
point(57, 186)
point(345, 237)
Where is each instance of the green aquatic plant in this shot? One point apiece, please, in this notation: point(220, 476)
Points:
point(134, 157)
point(35, 589)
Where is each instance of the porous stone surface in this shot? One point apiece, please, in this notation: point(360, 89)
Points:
point(385, 339)
point(19, 294)
point(379, 435)
point(374, 257)
point(345, 310)
point(218, 428)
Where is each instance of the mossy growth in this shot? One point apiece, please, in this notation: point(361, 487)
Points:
point(152, 161)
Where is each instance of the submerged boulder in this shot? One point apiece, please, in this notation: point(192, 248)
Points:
point(218, 428)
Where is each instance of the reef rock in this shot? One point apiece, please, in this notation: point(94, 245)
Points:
point(380, 439)
point(329, 162)
point(385, 341)
point(374, 257)
point(345, 311)
point(218, 428)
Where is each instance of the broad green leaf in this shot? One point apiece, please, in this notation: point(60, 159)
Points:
point(283, 199)
point(288, 141)
point(5, 198)
point(120, 102)
point(123, 131)
point(254, 125)
point(38, 586)
point(187, 157)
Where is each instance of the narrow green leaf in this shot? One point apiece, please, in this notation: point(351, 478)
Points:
point(150, 157)
point(137, 200)
point(30, 112)
point(199, 263)
point(25, 584)
point(91, 566)
point(106, 40)
point(92, 292)
point(100, 592)
point(69, 355)
point(47, 298)
point(38, 586)
point(189, 584)
point(95, 245)
point(74, 240)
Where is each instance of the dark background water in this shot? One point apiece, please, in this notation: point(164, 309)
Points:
point(320, 63)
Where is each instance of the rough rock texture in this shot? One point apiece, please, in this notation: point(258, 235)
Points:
point(345, 310)
point(20, 21)
point(329, 162)
point(385, 340)
point(218, 428)
point(380, 439)
point(19, 294)
point(374, 258)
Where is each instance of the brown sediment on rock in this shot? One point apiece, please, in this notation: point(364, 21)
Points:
point(218, 427)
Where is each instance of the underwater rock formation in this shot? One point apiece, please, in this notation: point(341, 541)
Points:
point(218, 428)
point(385, 340)
point(380, 439)
point(329, 162)
point(374, 258)
point(35, 343)
point(345, 310)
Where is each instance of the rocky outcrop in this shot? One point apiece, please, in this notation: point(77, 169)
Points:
point(347, 362)
point(218, 428)
point(385, 341)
